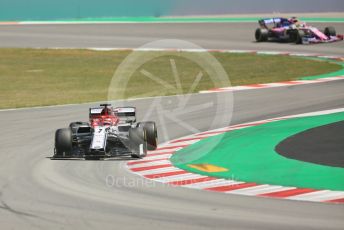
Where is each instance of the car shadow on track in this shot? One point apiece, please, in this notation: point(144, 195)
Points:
point(122, 158)
point(276, 42)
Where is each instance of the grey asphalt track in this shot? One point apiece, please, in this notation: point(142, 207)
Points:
point(207, 35)
point(39, 193)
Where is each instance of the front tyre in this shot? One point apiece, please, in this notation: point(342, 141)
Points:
point(63, 142)
point(330, 31)
point(138, 142)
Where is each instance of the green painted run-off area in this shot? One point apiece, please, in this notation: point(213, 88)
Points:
point(250, 156)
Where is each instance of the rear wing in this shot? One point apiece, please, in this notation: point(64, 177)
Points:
point(125, 114)
point(270, 23)
point(95, 111)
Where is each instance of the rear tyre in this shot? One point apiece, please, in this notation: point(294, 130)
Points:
point(63, 142)
point(292, 36)
point(151, 133)
point(261, 35)
point(299, 36)
point(138, 142)
point(330, 31)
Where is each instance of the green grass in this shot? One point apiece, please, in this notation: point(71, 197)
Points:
point(39, 77)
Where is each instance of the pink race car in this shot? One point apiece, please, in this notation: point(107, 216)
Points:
point(292, 30)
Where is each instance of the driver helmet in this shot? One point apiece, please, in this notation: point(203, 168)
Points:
point(293, 20)
point(106, 111)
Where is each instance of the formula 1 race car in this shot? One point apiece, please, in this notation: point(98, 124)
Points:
point(292, 30)
point(110, 132)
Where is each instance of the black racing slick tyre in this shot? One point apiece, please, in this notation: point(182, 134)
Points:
point(138, 142)
point(299, 36)
point(261, 35)
point(330, 31)
point(152, 134)
point(63, 142)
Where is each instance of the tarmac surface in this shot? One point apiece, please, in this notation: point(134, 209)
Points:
point(38, 193)
point(207, 35)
